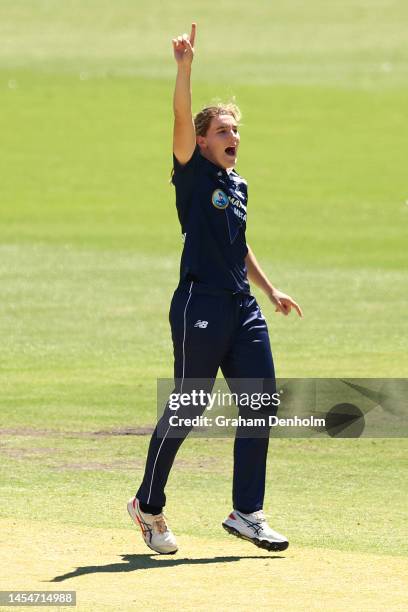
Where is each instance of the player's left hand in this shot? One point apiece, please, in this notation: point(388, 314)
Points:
point(284, 303)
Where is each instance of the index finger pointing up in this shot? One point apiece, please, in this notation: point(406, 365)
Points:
point(193, 33)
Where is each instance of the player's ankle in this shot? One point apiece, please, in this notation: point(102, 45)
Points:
point(149, 509)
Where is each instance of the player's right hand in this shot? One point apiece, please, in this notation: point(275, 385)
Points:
point(183, 47)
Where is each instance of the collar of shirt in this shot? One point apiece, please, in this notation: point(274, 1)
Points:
point(221, 172)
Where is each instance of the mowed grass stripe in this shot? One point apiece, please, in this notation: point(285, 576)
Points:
point(92, 318)
point(347, 44)
point(83, 470)
point(325, 168)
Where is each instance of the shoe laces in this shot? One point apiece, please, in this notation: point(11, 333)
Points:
point(259, 516)
point(159, 523)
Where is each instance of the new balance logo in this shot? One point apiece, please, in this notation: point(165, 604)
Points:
point(201, 324)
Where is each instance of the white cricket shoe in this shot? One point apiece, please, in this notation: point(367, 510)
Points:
point(253, 527)
point(154, 528)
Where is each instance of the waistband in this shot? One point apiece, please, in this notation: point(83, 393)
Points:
point(203, 289)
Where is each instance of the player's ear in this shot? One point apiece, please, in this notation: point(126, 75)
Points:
point(201, 141)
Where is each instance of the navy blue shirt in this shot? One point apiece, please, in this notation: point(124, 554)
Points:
point(211, 207)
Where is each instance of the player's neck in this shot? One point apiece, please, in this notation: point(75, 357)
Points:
point(211, 159)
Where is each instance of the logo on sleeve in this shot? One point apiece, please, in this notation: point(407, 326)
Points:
point(219, 199)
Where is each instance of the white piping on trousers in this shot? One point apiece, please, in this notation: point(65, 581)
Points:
point(181, 387)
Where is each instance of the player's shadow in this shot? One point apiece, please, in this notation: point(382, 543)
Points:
point(151, 561)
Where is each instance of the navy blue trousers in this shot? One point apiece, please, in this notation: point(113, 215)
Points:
point(211, 330)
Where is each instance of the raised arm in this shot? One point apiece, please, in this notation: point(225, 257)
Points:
point(184, 137)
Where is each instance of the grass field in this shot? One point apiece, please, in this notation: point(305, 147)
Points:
point(89, 250)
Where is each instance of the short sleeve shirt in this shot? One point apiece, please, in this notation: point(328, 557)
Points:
point(212, 210)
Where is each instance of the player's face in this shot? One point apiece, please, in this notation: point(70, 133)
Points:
point(220, 144)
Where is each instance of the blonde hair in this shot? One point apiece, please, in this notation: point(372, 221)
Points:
point(203, 118)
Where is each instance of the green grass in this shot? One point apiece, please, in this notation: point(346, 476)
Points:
point(81, 472)
point(89, 245)
point(346, 43)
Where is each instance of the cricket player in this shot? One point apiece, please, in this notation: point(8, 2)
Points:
point(215, 321)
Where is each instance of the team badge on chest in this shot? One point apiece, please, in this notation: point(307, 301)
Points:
point(219, 199)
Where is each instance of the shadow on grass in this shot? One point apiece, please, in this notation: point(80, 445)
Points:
point(151, 561)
